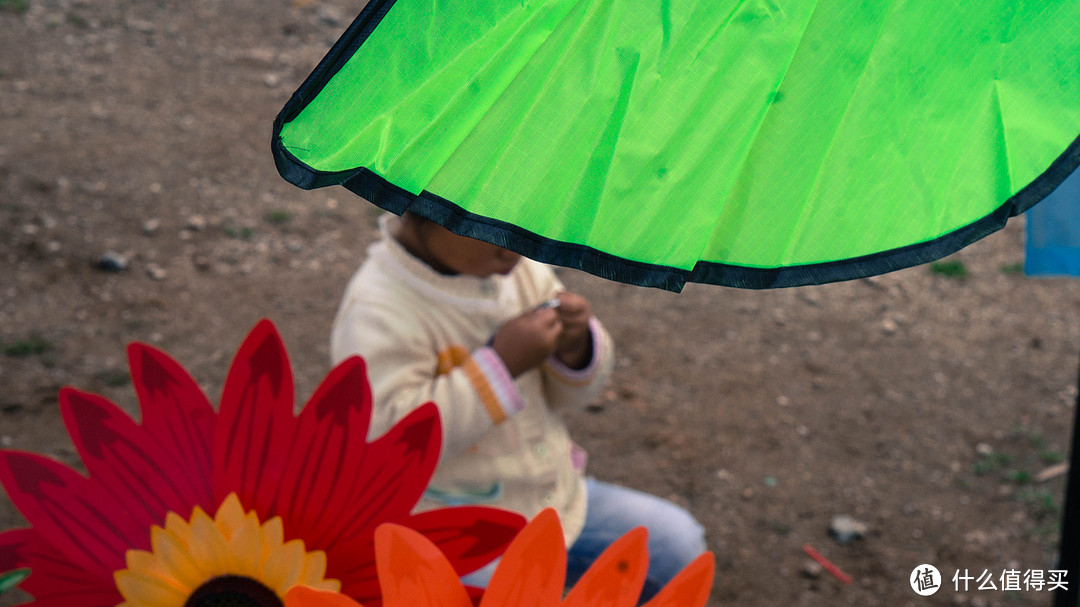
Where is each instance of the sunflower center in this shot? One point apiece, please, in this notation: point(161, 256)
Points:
point(233, 591)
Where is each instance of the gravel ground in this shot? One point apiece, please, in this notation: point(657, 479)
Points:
point(922, 404)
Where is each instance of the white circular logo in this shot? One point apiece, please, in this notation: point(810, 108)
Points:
point(925, 580)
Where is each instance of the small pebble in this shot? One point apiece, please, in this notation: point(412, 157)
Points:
point(196, 223)
point(155, 271)
point(811, 569)
point(112, 262)
point(329, 15)
point(151, 226)
point(845, 529)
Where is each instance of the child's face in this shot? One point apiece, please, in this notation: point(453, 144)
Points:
point(462, 255)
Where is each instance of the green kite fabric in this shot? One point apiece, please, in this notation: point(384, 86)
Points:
point(755, 144)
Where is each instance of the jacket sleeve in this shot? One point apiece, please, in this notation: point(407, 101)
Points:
point(569, 387)
point(473, 390)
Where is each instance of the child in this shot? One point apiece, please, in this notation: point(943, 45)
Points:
point(497, 344)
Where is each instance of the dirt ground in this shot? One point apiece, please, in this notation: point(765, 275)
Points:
point(921, 403)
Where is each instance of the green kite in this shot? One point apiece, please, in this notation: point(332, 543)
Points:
point(749, 143)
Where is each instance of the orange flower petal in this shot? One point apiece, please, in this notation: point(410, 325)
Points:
point(533, 569)
point(230, 516)
point(273, 534)
point(149, 590)
point(246, 546)
point(413, 572)
point(284, 567)
point(173, 552)
point(303, 596)
point(616, 577)
point(690, 588)
point(207, 547)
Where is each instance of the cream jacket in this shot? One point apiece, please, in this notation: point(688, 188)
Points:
point(423, 336)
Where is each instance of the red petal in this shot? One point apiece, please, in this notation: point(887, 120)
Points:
point(126, 461)
point(533, 570)
point(255, 425)
point(396, 470)
point(690, 588)
point(53, 576)
point(98, 599)
point(74, 515)
point(361, 581)
point(87, 599)
point(616, 577)
point(470, 536)
point(328, 451)
point(13, 543)
point(177, 414)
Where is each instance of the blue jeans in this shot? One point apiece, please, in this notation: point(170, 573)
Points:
point(675, 537)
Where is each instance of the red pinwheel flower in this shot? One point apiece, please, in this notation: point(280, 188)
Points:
point(195, 506)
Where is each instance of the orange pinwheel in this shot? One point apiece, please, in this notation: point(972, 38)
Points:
point(412, 571)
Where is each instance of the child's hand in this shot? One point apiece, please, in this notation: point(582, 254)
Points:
point(525, 341)
point(575, 342)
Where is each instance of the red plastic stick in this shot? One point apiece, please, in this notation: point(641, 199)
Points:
point(827, 564)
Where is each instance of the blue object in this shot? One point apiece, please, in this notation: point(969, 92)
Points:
point(1053, 232)
point(1053, 249)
